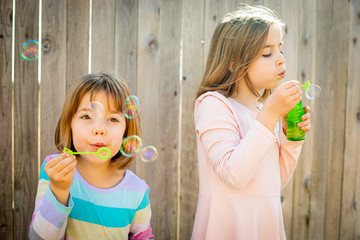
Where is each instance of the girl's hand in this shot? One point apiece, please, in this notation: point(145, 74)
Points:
point(61, 170)
point(304, 125)
point(279, 103)
point(284, 98)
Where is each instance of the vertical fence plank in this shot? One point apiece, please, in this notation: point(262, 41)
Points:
point(25, 117)
point(169, 103)
point(147, 89)
point(350, 217)
point(6, 196)
point(337, 52)
point(126, 41)
point(320, 120)
point(126, 44)
point(192, 68)
point(53, 71)
point(157, 73)
point(290, 15)
point(78, 19)
point(302, 176)
point(103, 36)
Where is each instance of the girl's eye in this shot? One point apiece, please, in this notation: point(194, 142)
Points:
point(85, 117)
point(113, 120)
point(266, 55)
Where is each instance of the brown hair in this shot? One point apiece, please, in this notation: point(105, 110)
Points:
point(94, 83)
point(236, 43)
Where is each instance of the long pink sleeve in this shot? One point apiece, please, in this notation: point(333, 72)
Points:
point(289, 154)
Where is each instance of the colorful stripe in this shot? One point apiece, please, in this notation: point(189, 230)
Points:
point(92, 213)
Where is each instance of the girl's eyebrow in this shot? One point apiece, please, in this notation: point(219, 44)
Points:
point(273, 45)
point(83, 109)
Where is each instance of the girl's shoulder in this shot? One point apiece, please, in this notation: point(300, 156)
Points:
point(132, 182)
point(214, 102)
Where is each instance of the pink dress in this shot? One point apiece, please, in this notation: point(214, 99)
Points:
point(242, 168)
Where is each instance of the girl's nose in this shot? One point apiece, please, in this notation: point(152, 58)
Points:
point(99, 132)
point(280, 61)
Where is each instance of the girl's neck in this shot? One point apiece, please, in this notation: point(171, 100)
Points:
point(245, 97)
point(100, 175)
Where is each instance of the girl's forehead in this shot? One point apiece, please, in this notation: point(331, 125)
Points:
point(99, 97)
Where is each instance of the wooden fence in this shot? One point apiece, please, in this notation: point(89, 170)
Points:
point(159, 47)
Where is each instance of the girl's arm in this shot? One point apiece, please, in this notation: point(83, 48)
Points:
point(140, 228)
point(50, 216)
point(290, 150)
point(234, 158)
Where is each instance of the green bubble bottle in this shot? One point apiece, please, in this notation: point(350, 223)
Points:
point(294, 133)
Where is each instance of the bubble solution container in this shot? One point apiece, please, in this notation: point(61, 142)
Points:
point(294, 133)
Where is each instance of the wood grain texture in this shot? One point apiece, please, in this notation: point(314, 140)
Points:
point(320, 122)
point(192, 71)
point(338, 55)
point(26, 89)
point(53, 72)
point(126, 41)
point(103, 36)
point(350, 217)
point(77, 54)
point(6, 184)
point(147, 90)
point(126, 19)
point(302, 214)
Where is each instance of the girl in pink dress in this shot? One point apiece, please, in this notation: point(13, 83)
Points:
point(245, 159)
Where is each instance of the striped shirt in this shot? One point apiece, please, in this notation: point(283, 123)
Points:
point(120, 212)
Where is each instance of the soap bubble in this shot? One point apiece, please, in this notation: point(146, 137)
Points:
point(313, 92)
point(149, 154)
point(30, 50)
point(96, 109)
point(131, 146)
point(131, 107)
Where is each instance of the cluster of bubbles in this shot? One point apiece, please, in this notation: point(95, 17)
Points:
point(30, 50)
point(131, 145)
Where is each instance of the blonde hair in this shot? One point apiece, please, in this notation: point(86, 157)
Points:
point(236, 43)
point(93, 83)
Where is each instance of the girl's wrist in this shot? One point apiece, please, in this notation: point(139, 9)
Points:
point(62, 195)
point(268, 118)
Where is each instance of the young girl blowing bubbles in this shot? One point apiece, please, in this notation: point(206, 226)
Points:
point(244, 159)
point(83, 196)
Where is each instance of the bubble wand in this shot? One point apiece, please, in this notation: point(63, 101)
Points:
point(98, 152)
point(295, 133)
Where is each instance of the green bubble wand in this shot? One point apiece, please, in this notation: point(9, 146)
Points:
point(98, 152)
point(306, 86)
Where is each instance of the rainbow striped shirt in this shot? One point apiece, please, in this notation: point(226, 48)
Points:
point(120, 212)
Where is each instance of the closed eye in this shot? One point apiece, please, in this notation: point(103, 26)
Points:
point(266, 55)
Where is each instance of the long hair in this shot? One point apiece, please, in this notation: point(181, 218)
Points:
point(236, 43)
point(93, 83)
